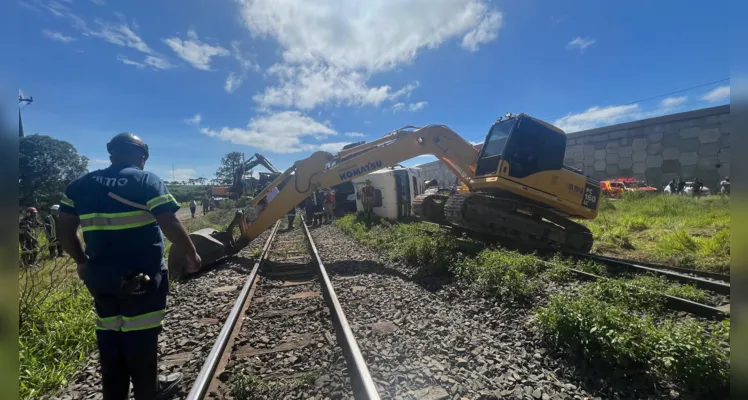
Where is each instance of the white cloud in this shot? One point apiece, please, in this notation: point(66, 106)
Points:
point(330, 52)
point(673, 101)
point(193, 120)
point(334, 147)
point(57, 36)
point(233, 81)
point(128, 61)
point(157, 62)
point(417, 106)
point(307, 86)
point(397, 107)
point(595, 117)
point(412, 107)
point(354, 134)
point(277, 133)
point(580, 43)
point(121, 34)
point(486, 31)
point(244, 62)
point(194, 51)
point(718, 94)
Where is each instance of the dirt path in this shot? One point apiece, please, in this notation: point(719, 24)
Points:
point(184, 213)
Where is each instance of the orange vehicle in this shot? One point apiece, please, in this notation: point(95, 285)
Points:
point(614, 188)
point(633, 185)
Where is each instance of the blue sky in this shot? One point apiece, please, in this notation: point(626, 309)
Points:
point(197, 78)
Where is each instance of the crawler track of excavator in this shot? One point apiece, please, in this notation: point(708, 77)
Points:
point(504, 219)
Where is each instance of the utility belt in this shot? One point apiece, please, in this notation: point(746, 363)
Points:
point(135, 284)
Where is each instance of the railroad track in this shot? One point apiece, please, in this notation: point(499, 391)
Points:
point(710, 281)
point(286, 327)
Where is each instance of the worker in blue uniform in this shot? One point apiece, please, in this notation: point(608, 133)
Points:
point(122, 211)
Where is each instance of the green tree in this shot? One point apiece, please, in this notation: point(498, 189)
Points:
point(229, 164)
point(46, 167)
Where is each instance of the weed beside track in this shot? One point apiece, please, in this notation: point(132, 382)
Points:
point(619, 322)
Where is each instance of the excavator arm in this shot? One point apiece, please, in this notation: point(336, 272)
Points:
point(324, 170)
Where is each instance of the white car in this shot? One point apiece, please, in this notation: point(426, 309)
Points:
point(688, 190)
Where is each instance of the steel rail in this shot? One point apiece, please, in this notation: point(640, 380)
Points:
point(699, 282)
point(671, 302)
point(697, 272)
point(204, 378)
point(358, 372)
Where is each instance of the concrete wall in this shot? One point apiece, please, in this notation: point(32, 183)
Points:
point(687, 145)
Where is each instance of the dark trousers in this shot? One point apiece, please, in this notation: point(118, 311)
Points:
point(130, 351)
point(291, 218)
point(192, 210)
point(55, 249)
point(205, 210)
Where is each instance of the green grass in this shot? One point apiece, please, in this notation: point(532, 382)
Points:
point(408, 241)
point(185, 193)
point(619, 322)
point(57, 327)
point(676, 230)
point(603, 326)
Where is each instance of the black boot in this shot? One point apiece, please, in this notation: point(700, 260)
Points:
point(168, 384)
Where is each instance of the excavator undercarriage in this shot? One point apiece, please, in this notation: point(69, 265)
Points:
point(504, 217)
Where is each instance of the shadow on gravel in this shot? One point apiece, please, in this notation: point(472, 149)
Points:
point(357, 267)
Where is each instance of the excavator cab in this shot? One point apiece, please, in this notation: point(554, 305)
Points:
point(527, 145)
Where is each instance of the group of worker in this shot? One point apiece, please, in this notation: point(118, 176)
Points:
point(206, 203)
point(319, 207)
point(678, 186)
point(27, 235)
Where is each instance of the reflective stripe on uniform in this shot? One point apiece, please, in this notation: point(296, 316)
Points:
point(142, 322)
point(160, 200)
point(115, 221)
point(66, 201)
point(109, 323)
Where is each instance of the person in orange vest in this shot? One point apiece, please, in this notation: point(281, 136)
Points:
point(329, 205)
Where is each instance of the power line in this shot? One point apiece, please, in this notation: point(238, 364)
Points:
point(656, 97)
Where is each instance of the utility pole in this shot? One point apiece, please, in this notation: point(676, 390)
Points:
point(21, 100)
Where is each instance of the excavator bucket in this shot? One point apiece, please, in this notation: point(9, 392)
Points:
point(211, 246)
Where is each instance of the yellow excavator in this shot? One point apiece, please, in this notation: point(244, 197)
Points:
point(515, 188)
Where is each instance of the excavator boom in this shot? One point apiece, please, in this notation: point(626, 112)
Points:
point(515, 188)
point(324, 170)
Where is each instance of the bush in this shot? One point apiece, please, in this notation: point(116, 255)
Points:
point(56, 328)
point(606, 333)
point(436, 251)
point(501, 273)
point(185, 193)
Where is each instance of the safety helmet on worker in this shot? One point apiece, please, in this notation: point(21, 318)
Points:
point(127, 140)
point(30, 210)
point(55, 207)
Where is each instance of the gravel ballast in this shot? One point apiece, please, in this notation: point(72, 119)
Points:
point(427, 339)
